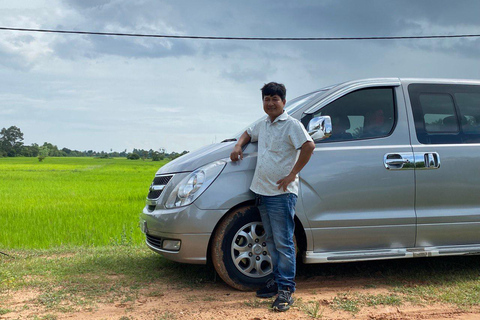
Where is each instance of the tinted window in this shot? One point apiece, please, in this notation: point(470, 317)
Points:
point(469, 106)
point(362, 114)
point(439, 113)
point(446, 113)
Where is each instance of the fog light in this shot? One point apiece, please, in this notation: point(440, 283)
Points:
point(173, 245)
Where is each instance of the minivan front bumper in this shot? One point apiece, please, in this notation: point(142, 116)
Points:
point(190, 227)
point(193, 247)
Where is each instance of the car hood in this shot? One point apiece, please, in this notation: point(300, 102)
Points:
point(193, 160)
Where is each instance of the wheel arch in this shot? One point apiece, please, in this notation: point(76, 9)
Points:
point(209, 248)
point(300, 234)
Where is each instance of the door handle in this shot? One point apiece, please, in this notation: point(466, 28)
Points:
point(429, 160)
point(397, 161)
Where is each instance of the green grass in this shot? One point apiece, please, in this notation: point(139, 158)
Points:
point(167, 316)
point(345, 302)
point(70, 228)
point(311, 308)
point(69, 279)
point(354, 302)
point(424, 281)
point(4, 311)
point(72, 201)
point(258, 303)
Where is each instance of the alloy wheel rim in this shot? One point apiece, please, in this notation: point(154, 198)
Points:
point(249, 251)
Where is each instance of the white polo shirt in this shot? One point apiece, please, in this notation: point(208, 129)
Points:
point(278, 144)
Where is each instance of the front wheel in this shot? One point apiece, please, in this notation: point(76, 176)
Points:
point(239, 252)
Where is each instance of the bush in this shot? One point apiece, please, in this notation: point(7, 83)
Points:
point(133, 156)
point(156, 156)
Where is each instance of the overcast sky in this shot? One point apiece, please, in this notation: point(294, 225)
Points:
point(96, 92)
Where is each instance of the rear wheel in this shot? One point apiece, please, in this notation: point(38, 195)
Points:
point(239, 252)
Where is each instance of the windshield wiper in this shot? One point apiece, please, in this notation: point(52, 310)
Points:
point(228, 140)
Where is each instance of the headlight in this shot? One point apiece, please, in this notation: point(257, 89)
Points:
point(193, 185)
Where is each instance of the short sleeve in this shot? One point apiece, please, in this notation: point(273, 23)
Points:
point(298, 135)
point(253, 131)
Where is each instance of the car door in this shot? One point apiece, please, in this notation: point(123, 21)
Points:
point(446, 144)
point(358, 188)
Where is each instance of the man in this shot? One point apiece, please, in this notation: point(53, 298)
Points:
point(275, 183)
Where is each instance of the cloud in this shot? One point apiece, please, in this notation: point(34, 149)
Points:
point(97, 92)
point(247, 18)
point(245, 74)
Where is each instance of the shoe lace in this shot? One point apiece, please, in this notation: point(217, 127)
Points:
point(283, 295)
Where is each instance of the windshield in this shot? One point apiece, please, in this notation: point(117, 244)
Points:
point(291, 107)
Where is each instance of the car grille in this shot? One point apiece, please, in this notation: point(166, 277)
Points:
point(155, 188)
point(154, 241)
point(162, 180)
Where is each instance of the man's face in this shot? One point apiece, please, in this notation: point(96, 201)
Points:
point(273, 106)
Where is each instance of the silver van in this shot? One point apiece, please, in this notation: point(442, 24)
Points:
point(395, 174)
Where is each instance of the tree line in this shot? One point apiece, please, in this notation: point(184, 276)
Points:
point(11, 145)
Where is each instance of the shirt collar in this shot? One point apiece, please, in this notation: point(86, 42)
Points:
point(282, 117)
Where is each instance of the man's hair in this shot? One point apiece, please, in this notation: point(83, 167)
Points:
point(273, 88)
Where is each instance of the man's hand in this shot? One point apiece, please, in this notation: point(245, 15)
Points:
point(283, 183)
point(305, 154)
point(237, 153)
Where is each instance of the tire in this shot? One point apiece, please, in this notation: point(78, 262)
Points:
point(239, 252)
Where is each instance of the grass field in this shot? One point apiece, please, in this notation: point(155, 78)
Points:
point(69, 227)
point(133, 282)
point(72, 201)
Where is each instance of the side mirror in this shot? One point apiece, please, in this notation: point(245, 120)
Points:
point(320, 128)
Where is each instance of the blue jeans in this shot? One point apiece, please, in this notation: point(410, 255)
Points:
point(277, 214)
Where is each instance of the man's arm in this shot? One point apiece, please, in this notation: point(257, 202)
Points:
point(237, 150)
point(305, 154)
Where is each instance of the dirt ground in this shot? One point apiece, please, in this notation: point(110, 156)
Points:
point(314, 299)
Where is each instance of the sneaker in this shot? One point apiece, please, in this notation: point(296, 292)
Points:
point(269, 290)
point(283, 301)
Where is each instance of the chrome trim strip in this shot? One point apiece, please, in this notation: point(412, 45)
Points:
point(160, 250)
point(157, 187)
point(360, 256)
point(151, 202)
point(453, 251)
point(344, 148)
point(335, 257)
point(438, 146)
